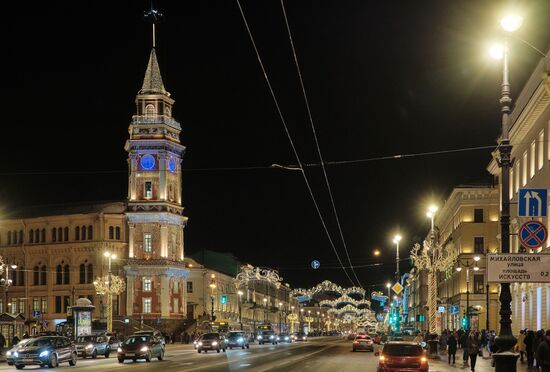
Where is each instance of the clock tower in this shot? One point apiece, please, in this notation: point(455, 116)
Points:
point(155, 271)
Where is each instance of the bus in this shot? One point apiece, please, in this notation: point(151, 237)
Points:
point(220, 327)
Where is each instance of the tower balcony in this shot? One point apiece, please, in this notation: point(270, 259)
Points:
point(155, 120)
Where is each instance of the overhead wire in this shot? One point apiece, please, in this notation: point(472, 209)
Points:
point(310, 116)
point(296, 155)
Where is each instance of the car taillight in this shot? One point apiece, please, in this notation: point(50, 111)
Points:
point(381, 358)
point(423, 359)
point(355, 342)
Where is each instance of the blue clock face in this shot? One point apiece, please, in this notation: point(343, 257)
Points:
point(147, 162)
point(172, 165)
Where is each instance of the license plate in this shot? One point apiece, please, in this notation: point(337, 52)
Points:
point(130, 354)
point(27, 360)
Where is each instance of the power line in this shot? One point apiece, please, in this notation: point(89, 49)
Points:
point(291, 141)
point(317, 142)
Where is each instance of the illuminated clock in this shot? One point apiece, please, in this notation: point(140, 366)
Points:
point(172, 165)
point(147, 162)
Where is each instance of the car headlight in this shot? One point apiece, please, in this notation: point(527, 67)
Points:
point(260, 337)
point(286, 338)
point(240, 339)
point(8, 353)
point(215, 343)
point(44, 353)
point(270, 337)
point(90, 346)
point(145, 348)
point(200, 343)
point(119, 350)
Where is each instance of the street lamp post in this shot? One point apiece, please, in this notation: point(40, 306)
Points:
point(212, 286)
point(110, 256)
point(280, 315)
point(240, 293)
point(388, 285)
point(7, 282)
point(467, 266)
point(505, 359)
point(432, 285)
point(396, 240)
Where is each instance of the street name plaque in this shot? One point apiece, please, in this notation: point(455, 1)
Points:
point(518, 268)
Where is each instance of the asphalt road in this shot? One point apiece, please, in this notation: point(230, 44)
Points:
point(327, 354)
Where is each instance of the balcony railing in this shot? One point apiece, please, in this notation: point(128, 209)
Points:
point(157, 119)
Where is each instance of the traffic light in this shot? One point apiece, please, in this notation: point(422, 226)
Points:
point(464, 322)
point(223, 299)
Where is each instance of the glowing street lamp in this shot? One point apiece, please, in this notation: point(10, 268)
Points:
point(511, 22)
point(396, 240)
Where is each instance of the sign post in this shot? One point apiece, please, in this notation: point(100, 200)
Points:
point(514, 267)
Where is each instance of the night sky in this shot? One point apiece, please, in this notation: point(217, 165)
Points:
point(383, 78)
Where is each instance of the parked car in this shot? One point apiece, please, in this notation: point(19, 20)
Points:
point(211, 341)
point(402, 355)
point(45, 351)
point(267, 337)
point(363, 342)
point(140, 346)
point(92, 346)
point(237, 339)
point(9, 353)
point(284, 337)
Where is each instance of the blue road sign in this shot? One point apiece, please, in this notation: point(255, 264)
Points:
point(315, 264)
point(36, 313)
point(533, 234)
point(454, 309)
point(533, 203)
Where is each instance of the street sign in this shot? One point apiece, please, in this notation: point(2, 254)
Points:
point(533, 203)
point(69, 311)
point(441, 309)
point(454, 309)
point(397, 288)
point(315, 264)
point(36, 313)
point(533, 234)
point(223, 299)
point(522, 268)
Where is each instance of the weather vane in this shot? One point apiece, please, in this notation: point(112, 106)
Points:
point(153, 16)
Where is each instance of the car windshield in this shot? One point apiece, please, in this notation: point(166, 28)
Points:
point(402, 350)
point(86, 339)
point(235, 334)
point(210, 336)
point(132, 340)
point(267, 332)
point(41, 341)
point(23, 342)
point(283, 334)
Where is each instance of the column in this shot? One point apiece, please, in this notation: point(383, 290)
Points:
point(164, 296)
point(162, 178)
point(130, 282)
point(164, 241)
point(131, 240)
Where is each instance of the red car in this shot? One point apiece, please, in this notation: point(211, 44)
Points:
point(402, 355)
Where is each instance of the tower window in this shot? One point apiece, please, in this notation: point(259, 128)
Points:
point(60, 234)
point(31, 236)
point(117, 233)
point(478, 215)
point(148, 189)
point(147, 243)
point(83, 233)
point(479, 245)
point(66, 235)
point(111, 232)
point(37, 236)
point(147, 287)
point(43, 235)
point(90, 232)
point(54, 234)
point(77, 233)
point(150, 110)
point(147, 305)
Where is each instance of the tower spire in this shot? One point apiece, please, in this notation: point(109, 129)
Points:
point(153, 16)
point(152, 82)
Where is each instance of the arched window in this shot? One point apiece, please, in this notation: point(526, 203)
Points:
point(43, 275)
point(60, 234)
point(66, 234)
point(20, 236)
point(111, 232)
point(9, 237)
point(82, 274)
point(59, 275)
point(66, 274)
point(117, 234)
point(43, 235)
point(83, 233)
point(31, 236)
point(21, 276)
point(54, 234)
point(14, 237)
point(90, 273)
point(35, 276)
point(77, 233)
point(37, 236)
point(90, 232)
point(150, 110)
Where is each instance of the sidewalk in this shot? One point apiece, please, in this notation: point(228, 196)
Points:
point(482, 365)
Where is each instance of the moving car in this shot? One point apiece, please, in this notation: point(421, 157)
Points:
point(267, 336)
point(363, 342)
point(92, 346)
point(284, 337)
point(300, 336)
point(140, 347)
point(402, 355)
point(237, 339)
point(9, 353)
point(211, 341)
point(45, 351)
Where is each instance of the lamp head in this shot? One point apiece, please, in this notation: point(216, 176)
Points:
point(397, 238)
point(106, 254)
point(459, 269)
point(265, 299)
point(14, 266)
point(511, 22)
point(240, 293)
point(476, 268)
point(477, 258)
point(433, 208)
point(388, 285)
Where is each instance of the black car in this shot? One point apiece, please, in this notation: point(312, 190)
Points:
point(267, 337)
point(45, 351)
point(140, 347)
point(284, 337)
point(211, 341)
point(9, 353)
point(237, 339)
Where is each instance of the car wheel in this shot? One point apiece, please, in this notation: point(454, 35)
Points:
point(148, 357)
point(217, 350)
point(161, 355)
point(53, 361)
point(224, 349)
point(107, 353)
point(242, 347)
point(19, 366)
point(72, 361)
point(94, 354)
point(248, 346)
point(353, 349)
point(230, 347)
point(121, 360)
point(206, 351)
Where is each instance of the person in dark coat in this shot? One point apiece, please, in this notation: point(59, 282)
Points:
point(473, 345)
point(14, 340)
point(464, 341)
point(543, 353)
point(529, 344)
point(451, 347)
point(2, 342)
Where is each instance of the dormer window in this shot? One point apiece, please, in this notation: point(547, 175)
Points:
point(150, 110)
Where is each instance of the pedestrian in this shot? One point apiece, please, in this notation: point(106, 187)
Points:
point(459, 333)
point(520, 345)
point(473, 344)
point(2, 342)
point(464, 341)
point(529, 343)
point(443, 341)
point(543, 353)
point(25, 335)
point(14, 340)
point(451, 343)
point(491, 342)
point(539, 337)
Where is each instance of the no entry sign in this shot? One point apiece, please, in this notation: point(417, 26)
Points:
point(533, 234)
